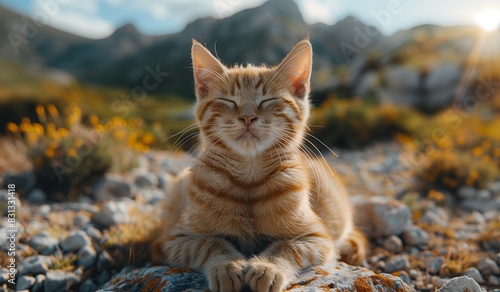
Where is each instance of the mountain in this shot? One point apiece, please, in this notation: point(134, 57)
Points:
point(262, 34)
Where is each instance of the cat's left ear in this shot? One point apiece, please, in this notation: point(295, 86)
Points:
point(208, 71)
point(295, 69)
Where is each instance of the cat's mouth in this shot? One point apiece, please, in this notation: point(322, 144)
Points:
point(247, 135)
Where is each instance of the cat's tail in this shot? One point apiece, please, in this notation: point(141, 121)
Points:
point(355, 247)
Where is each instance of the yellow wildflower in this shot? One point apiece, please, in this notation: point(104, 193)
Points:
point(12, 127)
point(49, 153)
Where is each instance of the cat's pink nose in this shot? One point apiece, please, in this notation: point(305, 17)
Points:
point(247, 119)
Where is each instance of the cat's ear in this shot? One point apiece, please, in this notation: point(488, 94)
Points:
point(207, 69)
point(295, 69)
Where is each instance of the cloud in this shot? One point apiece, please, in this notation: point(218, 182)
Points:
point(82, 24)
point(315, 11)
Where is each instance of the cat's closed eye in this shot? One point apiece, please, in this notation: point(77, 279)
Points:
point(267, 102)
point(228, 102)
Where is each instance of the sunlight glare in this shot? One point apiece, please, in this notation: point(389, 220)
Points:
point(488, 19)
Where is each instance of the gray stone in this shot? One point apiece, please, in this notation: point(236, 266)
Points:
point(4, 275)
point(37, 264)
point(60, 281)
point(4, 201)
point(438, 282)
point(44, 211)
point(147, 180)
point(414, 274)
point(81, 220)
point(494, 187)
point(475, 218)
point(40, 283)
point(74, 206)
point(474, 274)
point(75, 240)
point(434, 264)
point(482, 206)
point(112, 187)
point(113, 213)
point(460, 284)
point(393, 244)
point(93, 232)
point(103, 277)
point(435, 216)
point(484, 195)
point(488, 267)
point(104, 261)
point(87, 286)
point(415, 236)
point(380, 216)
point(164, 180)
point(86, 256)
point(466, 192)
point(44, 244)
point(24, 182)
point(493, 280)
point(497, 258)
point(37, 196)
point(397, 263)
point(403, 275)
point(25, 282)
point(337, 277)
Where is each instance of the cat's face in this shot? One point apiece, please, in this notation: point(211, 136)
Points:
point(252, 109)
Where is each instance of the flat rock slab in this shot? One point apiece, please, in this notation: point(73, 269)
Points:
point(332, 277)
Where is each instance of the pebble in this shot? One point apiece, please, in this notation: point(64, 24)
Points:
point(4, 275)
point(414, 274)
point(59, 281)
point(44, 244)
point(4, 199)
point(488, 267)
point(403, 275)
point(438, 282)
point(104, 261)
point(466, 192)
point(435, 216)
point(475, 274)
point(475, 218)
point(37, 196)
point(497, 258)
point(415, 236)
point(44, 211)
point(494, 187)
point(397, 263)
point(434, 264)
point(147, 180)
point(460, 284)
point(40, 283)
point(36, 264)
point(81, 220)
point(484, 195)
point(112, 187)
point(482, 206)
point(380, 216)
point(25, 282)
point(88, 286)
point(493, 280)
point(93, 232)
point(164, 180)
point(86, 256)
point(393, 244)
point(75, 240)
point(113, 213)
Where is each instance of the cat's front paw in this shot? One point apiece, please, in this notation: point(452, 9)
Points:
point(262, 276)
point(226, 277)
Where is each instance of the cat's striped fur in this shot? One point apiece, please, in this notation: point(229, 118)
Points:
point(254, 208)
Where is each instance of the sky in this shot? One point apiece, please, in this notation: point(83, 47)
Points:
point(99, 18)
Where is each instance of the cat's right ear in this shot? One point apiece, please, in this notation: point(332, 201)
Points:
point(207, 69)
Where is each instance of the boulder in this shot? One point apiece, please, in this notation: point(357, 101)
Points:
point(330, 277)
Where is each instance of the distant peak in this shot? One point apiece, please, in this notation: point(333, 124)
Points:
point(128, 28)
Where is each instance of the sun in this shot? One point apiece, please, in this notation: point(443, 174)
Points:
point(488, 19)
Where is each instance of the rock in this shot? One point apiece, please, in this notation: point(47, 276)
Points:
point(484, 195)
point(397, 263)
point(414, 274)
point(4, 202)
point(164, 180)
point(494, 187)
point(40, 283)
point(435, 216)
point(37, 196)
point(474, 274)
point(86, 256)
point(380, 216)
point(488, 267)
point(332, 276)
point(434, 264)
point(87, 286)
point(75, 240)
point(25, 282)
point(466, 192)
point(151, 196)
point(37, 264)
point(24, 182)
point(58, 280)
point(403, 275)
point(475, 218)
point(482, 206)
point(493, 281)
point(112, 187)
point(113, 213)
point(497, 258)
point(147, 180)
point(104, 261)
point(393, 244)
point(44, 211)
point(460, 284)
point(44, 244)
point(81, 220)
point(93, 232)
point(72, 206)
point(4, 275)
point(415, 236)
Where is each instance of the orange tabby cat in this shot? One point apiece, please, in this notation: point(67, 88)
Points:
point(254, 209)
